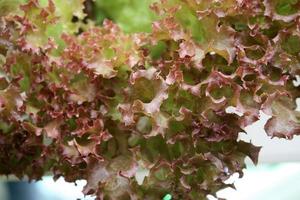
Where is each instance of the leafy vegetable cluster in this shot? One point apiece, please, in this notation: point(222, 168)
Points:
point(98, 90)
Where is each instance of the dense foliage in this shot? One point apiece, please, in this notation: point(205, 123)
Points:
point(97, 90)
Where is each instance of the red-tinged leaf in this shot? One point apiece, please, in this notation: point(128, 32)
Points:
point(52, 129)
point(284, 121)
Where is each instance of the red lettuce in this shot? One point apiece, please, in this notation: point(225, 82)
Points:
point(100, 102)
